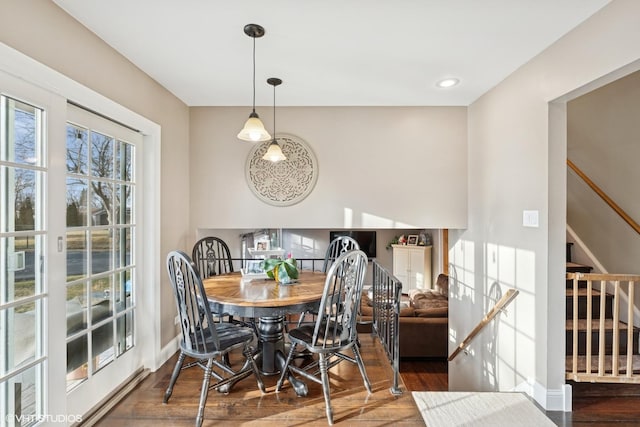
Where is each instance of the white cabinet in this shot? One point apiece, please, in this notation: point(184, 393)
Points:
point(412, 266)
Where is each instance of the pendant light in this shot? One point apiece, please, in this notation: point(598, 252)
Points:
point(274, 152)
point(253, 130)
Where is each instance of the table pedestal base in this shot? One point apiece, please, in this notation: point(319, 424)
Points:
point(272, 356)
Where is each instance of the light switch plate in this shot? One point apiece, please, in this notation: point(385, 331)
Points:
point(530, 218)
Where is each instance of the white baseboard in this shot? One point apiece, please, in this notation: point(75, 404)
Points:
point(550, 400)
point(166, 352)
point(109, 402)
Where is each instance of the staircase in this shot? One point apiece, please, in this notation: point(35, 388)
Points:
point(615, 357)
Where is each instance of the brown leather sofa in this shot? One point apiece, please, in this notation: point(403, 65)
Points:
point(424, 321)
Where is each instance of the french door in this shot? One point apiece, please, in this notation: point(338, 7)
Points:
point(69, 246)
point(101, 237)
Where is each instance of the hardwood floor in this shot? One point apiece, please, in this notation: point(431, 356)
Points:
point(425, 374)
point(593, 404)
point(602, 405)
point(246, 406)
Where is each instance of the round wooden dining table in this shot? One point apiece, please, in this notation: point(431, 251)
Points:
point(268, 301)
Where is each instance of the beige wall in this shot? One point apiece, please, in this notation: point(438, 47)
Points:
point(378, 168)
point(603, 129)
point(514, 165)
point(41, 30)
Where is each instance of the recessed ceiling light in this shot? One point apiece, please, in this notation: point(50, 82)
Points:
point(448, 82)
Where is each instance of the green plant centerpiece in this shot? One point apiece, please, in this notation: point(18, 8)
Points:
point(282, 271)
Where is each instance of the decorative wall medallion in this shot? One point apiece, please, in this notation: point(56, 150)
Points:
point(283, 183)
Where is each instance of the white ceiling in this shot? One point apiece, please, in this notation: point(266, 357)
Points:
point(330, 52)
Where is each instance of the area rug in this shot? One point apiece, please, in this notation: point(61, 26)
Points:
point(447, 409)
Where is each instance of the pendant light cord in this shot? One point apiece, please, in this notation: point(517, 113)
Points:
point(274, 113)
point(254, 75)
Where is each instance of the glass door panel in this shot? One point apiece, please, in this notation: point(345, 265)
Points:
point(100, 242)
point(22, 254)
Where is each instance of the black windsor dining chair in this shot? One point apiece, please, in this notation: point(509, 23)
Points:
point(334, 331)
point(337, 247)
point(212, 257)
point(204, 340)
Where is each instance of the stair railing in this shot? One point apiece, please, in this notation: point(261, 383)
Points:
point(500, 306)
point(387, 290)
point(613, 205)
point(618, 331)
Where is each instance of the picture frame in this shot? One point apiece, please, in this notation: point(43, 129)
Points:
point(253, 270)
point(262, 245)
point(253, 267)
point(412, 240)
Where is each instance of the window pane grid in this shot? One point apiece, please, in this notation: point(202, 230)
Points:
point(22, 133)
point(125, 332)
point(77, 151)
point(26, 300)
point(100, 230)
point(23, 238)
point(23, 166)
point(22, 347)
point(21, 210)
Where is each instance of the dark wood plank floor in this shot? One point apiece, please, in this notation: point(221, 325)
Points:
point(599, 405)
point(602, 405)
point(425, 374)
point(246, 406)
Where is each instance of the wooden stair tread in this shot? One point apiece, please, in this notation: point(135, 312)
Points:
point(622, 363)
point(595, 325)
point(573, 267)
point(582, 292)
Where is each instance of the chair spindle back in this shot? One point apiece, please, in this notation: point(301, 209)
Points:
point(337, 247)
point(338, 311)
point(196, 323)
point(211, 256)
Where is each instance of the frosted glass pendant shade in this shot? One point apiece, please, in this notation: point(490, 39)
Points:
point(253, 130)
point(274, 153)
